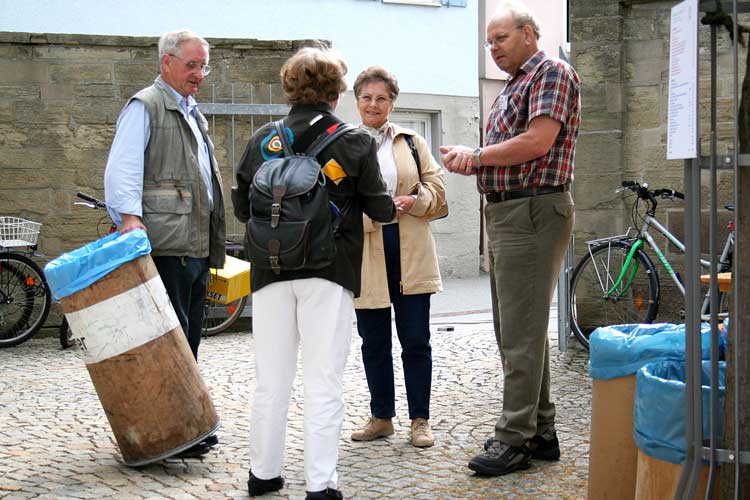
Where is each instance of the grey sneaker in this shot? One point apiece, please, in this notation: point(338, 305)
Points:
point(500, 459)
point(543, 447)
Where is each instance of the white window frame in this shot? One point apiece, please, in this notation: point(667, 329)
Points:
point(429, 120)
point(428, 3)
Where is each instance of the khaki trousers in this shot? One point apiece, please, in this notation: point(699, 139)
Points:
point(528, 239)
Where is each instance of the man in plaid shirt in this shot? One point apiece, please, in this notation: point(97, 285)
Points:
point(524, 170)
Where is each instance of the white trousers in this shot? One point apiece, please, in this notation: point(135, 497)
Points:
point(317, 314)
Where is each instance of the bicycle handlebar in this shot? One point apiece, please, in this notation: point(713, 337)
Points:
point(649, 195)
point(91, 199)
point(645, 193)
point(669, 193)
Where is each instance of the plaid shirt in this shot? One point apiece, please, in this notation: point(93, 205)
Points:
point(542, 86)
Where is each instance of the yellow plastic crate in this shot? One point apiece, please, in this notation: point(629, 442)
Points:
point(231, 282)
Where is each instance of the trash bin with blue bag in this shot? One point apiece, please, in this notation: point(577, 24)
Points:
point(616, 353)
point(659, 425)
point(132, 344)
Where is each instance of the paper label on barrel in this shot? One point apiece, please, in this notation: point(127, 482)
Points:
point(123, 322)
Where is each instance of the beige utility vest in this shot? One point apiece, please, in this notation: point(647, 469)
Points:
point(175, 202)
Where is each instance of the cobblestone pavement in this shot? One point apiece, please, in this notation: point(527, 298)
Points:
point(55, 441)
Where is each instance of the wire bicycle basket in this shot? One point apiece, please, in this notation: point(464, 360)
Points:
point(17, 232)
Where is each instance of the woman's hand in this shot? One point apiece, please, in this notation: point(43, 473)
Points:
point(404, 204)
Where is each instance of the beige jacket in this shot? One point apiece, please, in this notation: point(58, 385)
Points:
point(419, 263)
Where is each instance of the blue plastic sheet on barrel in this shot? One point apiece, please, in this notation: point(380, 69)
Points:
point(620, 350)
point(75, 270)
point(659, 410)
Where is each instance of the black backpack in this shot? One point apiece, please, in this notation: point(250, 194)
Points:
point(292, 222)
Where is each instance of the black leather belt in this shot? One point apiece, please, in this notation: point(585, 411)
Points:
point(498, 196)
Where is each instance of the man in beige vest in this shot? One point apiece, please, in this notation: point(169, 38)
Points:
point(162, 177)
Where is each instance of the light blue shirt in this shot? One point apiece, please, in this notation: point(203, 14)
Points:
point(123, 177)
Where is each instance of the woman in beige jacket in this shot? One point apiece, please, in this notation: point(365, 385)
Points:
point(399, 265)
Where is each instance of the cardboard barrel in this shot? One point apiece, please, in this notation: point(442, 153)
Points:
point(658, 479)
point(613, 454)
point(140, 363)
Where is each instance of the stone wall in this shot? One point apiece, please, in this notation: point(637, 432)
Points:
point(60, 96)
point(621, 51)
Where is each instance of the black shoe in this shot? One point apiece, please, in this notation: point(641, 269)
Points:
point(210, 441)
point(541, 448)
point(200, 448)
point(326, 494)
point(501, 459)
point(257, 487)
point(544, 449)
point(195, 451)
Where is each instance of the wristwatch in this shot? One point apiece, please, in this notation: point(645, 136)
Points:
point(478, 156)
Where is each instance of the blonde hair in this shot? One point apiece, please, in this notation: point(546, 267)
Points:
point(313, 75)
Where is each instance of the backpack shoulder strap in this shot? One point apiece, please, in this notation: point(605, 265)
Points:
point(324, 140)
point(410, 141)
point(281, 131)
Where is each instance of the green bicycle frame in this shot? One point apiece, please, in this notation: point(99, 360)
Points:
point(625, 268)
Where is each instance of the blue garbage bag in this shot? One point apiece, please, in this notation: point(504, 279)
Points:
point(74, 271)
point(620, 350)
point(723, 337)
point(659, 409)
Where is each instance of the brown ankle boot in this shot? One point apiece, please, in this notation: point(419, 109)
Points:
point(421, 435)
point(374, 428)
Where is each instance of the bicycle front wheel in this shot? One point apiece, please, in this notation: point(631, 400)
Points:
point(24, 299)
point(219, 317)
point(595, 301)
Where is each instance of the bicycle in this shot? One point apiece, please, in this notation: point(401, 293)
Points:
point(218, 318)
point(616, 282)
point(64, 333)
point(25, 298)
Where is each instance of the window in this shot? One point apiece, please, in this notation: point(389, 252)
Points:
point(433, 3)
point(430, 3)
point(423, 123)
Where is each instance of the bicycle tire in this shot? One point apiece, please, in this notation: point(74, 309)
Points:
point(24, 299)
point(590, 305)
point(66, 335)
point(215, 325)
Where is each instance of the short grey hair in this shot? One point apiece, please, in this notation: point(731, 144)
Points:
point(521, 15)
point(169, 43)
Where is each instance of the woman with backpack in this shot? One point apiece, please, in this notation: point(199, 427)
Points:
point(306, 299)
point(399, 265)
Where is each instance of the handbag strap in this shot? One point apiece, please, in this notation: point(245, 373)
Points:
point(410, 141)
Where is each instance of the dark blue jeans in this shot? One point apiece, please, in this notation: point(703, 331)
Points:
point(186, 280)
point(413, 328)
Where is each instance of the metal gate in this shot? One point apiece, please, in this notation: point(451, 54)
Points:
point(237, 119)
point(245, 109)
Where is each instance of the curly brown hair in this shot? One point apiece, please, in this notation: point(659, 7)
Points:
point(377, 74)
point(313, 75)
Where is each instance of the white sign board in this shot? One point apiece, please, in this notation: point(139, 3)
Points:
point(682, 123)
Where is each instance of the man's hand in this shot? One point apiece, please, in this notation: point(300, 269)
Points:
point(404, 204)
point(459, 159)
point(130, 223)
